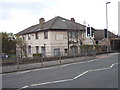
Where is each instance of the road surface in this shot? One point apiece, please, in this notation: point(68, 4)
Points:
point(97, 73)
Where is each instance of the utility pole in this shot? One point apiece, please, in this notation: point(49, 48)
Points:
point(107, 25)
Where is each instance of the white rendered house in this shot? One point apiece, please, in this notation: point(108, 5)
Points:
point(58, 35)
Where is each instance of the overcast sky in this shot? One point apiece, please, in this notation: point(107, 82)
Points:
point(17, 15)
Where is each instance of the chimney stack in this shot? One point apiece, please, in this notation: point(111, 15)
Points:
point(72, 19)
point(41, 22)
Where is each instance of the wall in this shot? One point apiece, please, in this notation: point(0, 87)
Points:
point(56, 39)
point(87, 40)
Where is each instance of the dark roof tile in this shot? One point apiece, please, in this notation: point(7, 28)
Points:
point(55, 23)
point(99, 34)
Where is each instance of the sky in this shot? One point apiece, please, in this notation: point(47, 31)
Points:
point(17, 15)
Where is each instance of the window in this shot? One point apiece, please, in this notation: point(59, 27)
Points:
point(57, 52)
point(37, 49)
point(74, 34)
point(46, 35)
point(28, 36)
point(74, 50)
point(36, 35)
point(29, 49)
point(65, 51)
point(43, 51)
point(59, 37)
point(23, 37)
point(97, 42)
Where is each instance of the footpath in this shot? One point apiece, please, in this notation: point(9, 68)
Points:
point(23, 67)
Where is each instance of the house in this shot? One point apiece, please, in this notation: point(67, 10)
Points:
point(100, 40)
point(115, 44)
point(54, 37)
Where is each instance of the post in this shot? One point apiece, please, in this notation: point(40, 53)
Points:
point(17, 57)
point(18, 62)
point(44, 50)
point(68, 40)
point(93, 44)
point(60, 57)
point(42, 61)
point(74, 55)
point(107, 25)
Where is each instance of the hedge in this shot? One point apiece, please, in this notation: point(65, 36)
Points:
point(37, 55)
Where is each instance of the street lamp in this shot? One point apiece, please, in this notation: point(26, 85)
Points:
point(107, 24)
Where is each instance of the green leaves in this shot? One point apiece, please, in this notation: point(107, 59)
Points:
point(8, 43)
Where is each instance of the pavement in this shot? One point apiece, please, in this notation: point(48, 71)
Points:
point(95, 73)
point(23, 67)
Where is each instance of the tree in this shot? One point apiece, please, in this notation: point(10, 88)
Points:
point(8, 43)
point(21, 47)
point(75, 41)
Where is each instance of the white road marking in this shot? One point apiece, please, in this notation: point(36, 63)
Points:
point(92, 60)
point(78, 63)
point(22, 72)
point(80, 75)
point(87, 61)
point(98, 69)
point(51, 82)
point(64, 65)
point(113, 65)
point(102, 68)
point(45, 68)
point(39, 84)
point(76, 77)
point(23, 87)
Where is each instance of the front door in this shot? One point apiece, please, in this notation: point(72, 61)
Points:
point(74, 50)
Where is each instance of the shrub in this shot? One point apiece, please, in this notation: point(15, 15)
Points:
point(87, 47)
point(37, 55)
point(12, 56)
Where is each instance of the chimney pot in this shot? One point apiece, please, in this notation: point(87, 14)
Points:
point(41, 22)
point(72, 19)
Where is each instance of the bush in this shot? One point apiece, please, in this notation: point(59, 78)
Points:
point(98, 48)
point(87, 47)
point(37, 55)
point(12, 56)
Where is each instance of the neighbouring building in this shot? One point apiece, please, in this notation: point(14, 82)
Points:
point(115, 44)
point(100, 40)
point(56, 36)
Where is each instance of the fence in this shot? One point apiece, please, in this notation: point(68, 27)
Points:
point(36, 56)
point(55, 50)
point(50, 57)
point(16, 64)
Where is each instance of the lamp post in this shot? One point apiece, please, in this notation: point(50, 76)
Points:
point(107, 24)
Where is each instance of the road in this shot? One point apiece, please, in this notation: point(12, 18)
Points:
point(97, 73)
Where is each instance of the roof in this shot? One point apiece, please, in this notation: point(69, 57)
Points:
point(57, 23)
point(99, 34)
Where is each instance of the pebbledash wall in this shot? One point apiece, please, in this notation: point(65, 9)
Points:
point(57, 41)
